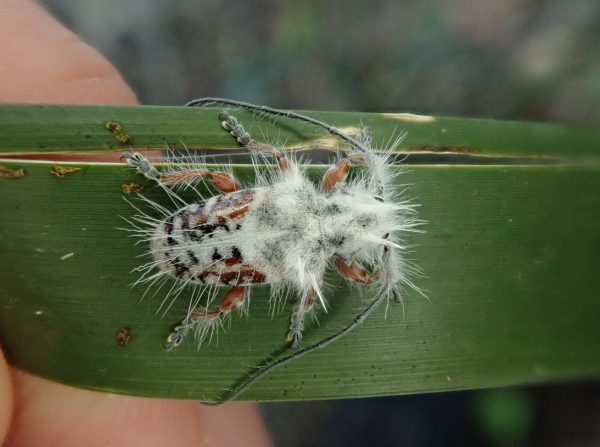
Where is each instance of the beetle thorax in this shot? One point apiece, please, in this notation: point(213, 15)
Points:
point(354, 221)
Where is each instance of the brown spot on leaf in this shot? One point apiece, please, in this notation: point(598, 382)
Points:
point(61, 171)
point(7, 172)
point(123, 337)
point(131, 187)
point(117, 130)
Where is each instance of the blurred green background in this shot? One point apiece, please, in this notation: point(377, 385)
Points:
point(536, 59)
point(524, 60)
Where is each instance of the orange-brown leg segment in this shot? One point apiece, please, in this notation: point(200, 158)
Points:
point(203, 318)
point(278, 154)
point(353, 271)
point(233, 299)
point(222, 181)
point(339, 171)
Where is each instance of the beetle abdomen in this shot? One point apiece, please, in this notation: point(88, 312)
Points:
point(199, 243)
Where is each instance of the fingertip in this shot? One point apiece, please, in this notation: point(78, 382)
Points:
point(45, 62)
point(52, 414)
point(6, 397)
point(233, 424)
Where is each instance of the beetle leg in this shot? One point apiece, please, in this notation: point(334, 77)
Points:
point(338, 172)
point(222, 181)
point(235, 128)
point(203, 319)
point(301, 308)
point(354, 272)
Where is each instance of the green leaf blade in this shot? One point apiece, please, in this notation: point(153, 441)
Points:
point(510, 255)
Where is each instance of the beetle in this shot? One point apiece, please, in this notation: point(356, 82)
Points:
point(283, 231)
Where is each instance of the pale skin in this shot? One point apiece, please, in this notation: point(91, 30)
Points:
point(43, 62)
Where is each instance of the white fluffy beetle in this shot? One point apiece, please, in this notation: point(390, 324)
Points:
point(284, 231)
